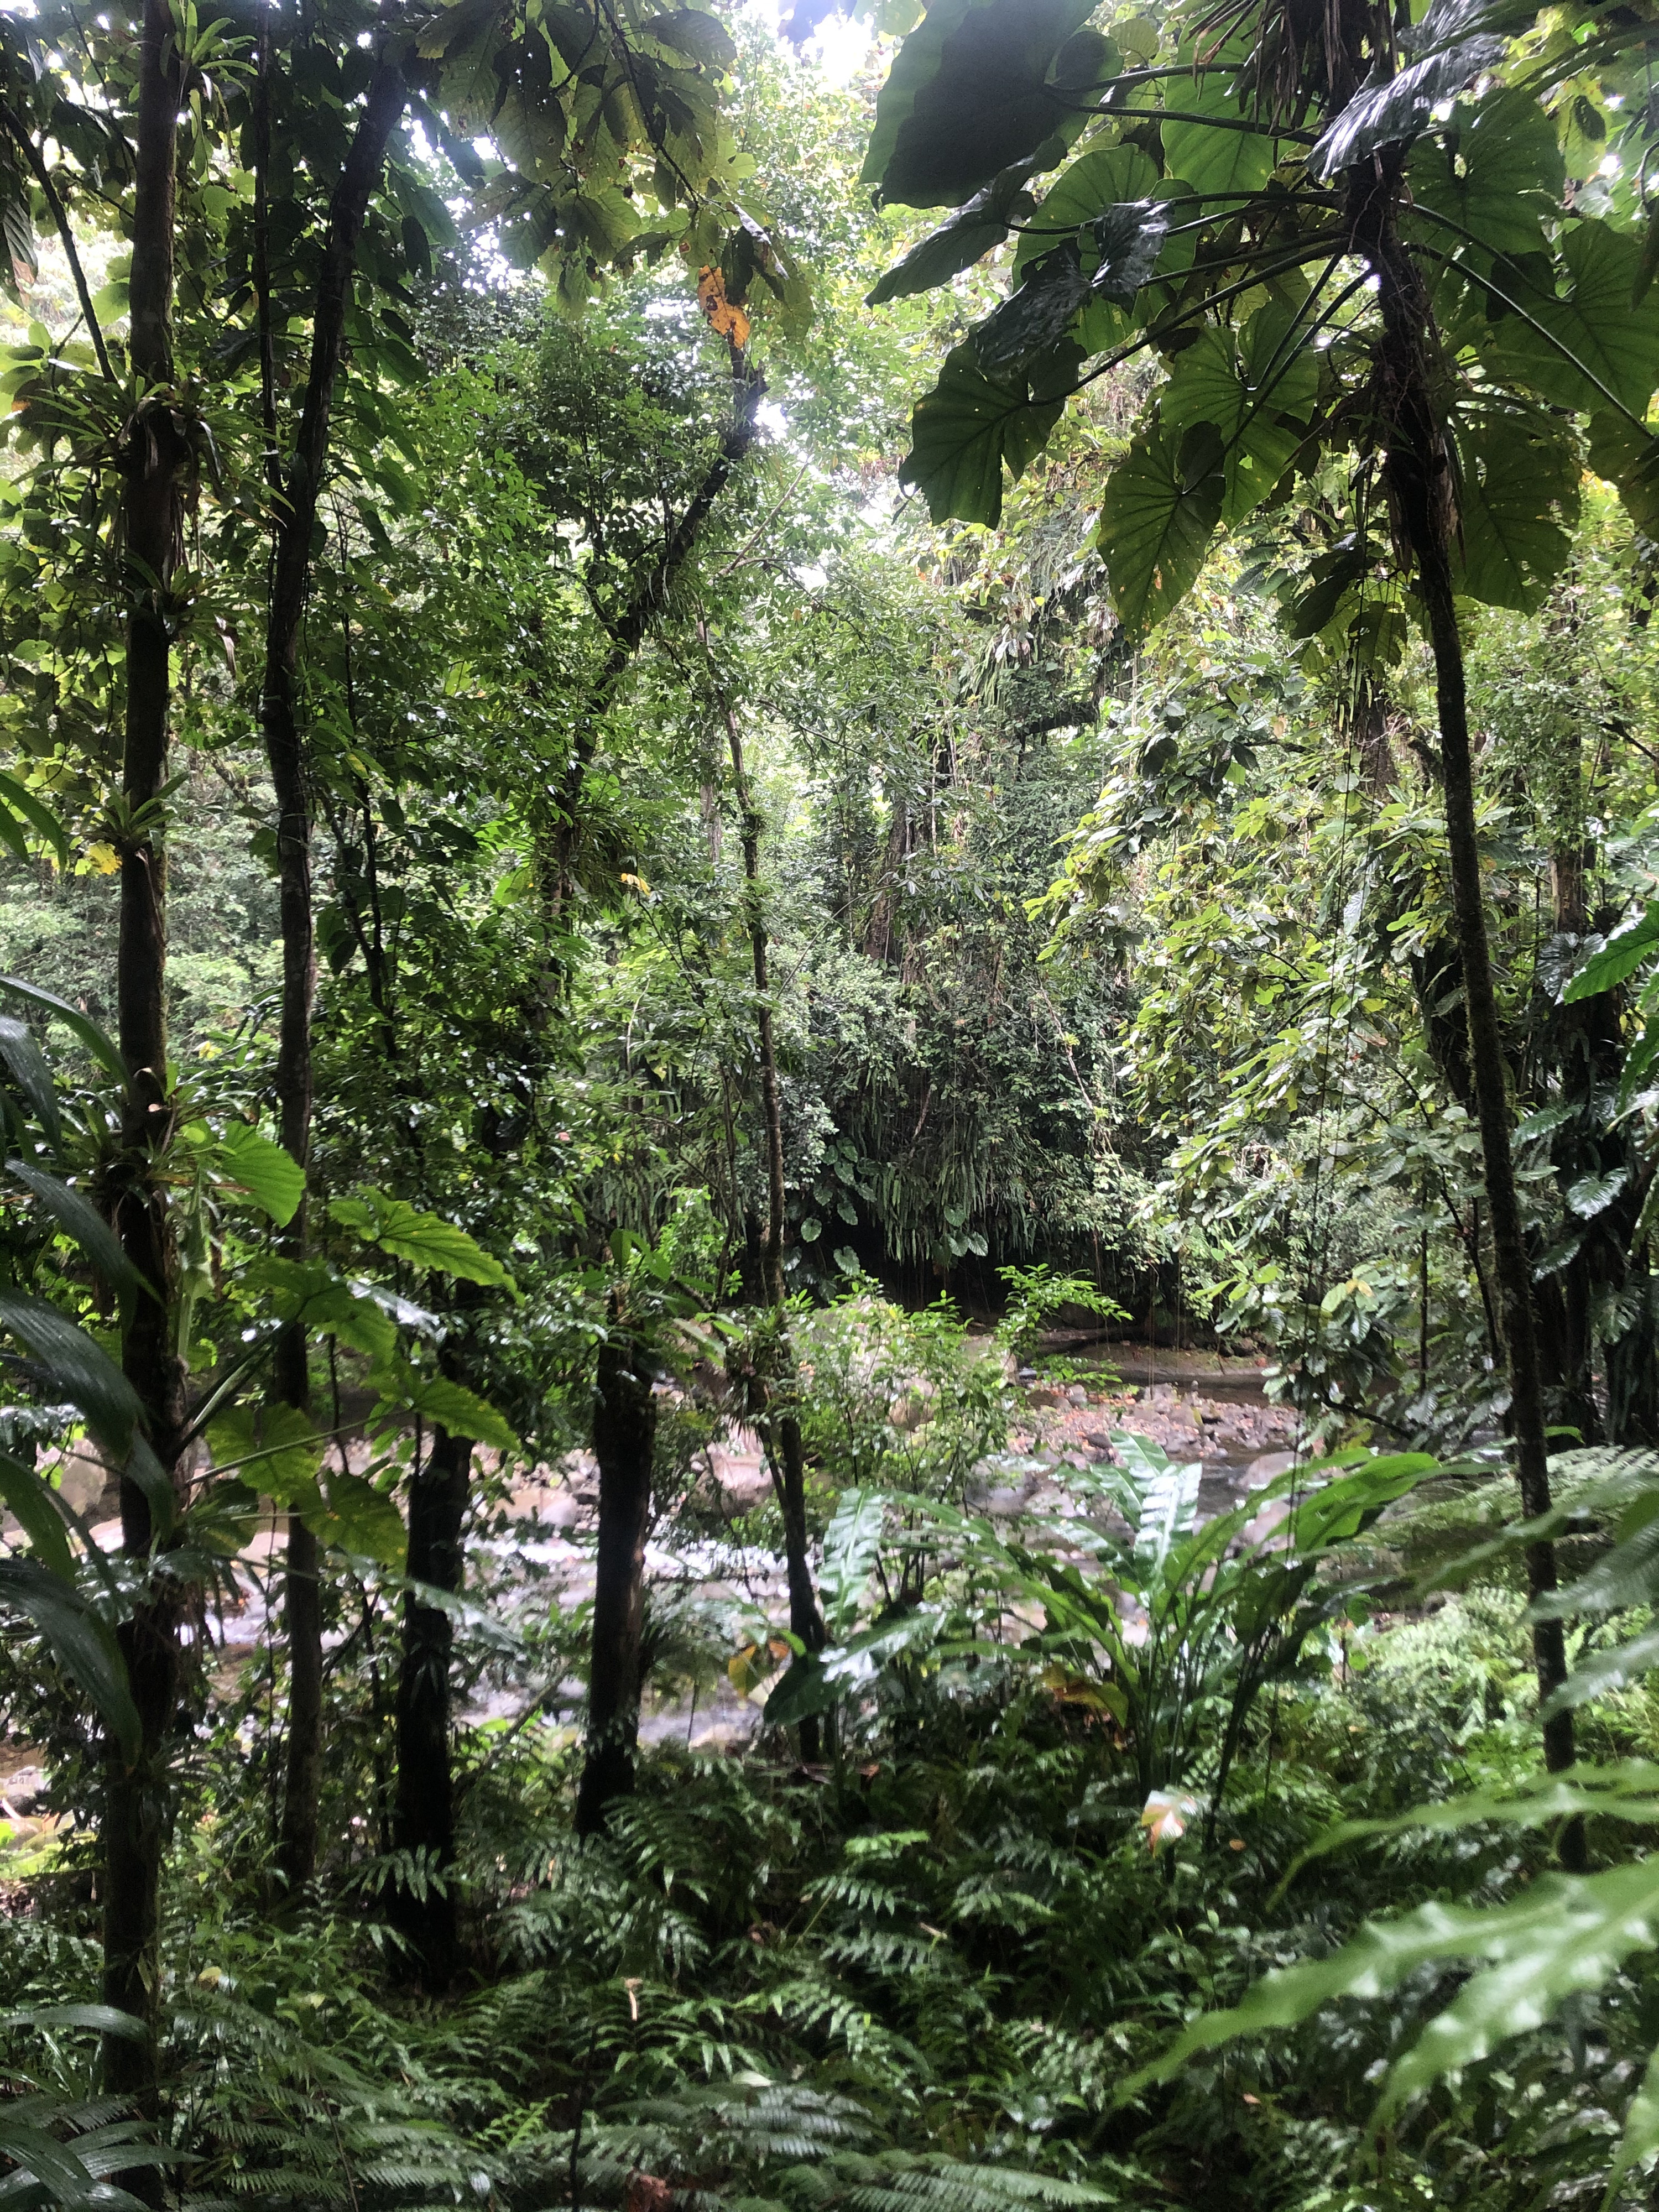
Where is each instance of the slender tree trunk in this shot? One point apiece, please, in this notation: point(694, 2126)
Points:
point(624, 1431)
point(423, 1810)
point(787, 1457)
point(136, 1799)
point(1420, 481)
point(301, 485)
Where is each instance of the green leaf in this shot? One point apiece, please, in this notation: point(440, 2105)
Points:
point(970, 233)
point(31, 1498)
point(1495, 168)
point(960, 433)
point(424, 1240)
point(81, 1221)
point(1518, 502)
point(82, 1641)
point(1095, 182)
point(437, 1399)
point(977, 86)
point(101, 1047)
point(275, 1449)
point(33, 1078)
point(1564, 1934)
point(77, 1369)
point(1033, 317)
point(1621, 956)
point(694, 32)
point(1160, 509)
point(1215, 157)
point(1382, 113)
point(265, 1170)
point(352, 1516)
point(1629, 459)
point(1591, 327)
point(41, 819)
point(1247, 384)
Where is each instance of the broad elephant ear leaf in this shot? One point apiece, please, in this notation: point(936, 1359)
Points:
point(1518, 500)
point(1628, 457)
point(1161, 506)
point(1382, 113)
point(962, 431)
point(1213, 154)
point(1035, 317)
point(1494, 168)
point(1103, 177)
point(971, 233)
point(1591, 345)
point(977, 86)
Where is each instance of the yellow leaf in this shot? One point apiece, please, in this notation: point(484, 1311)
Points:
point(103, 860)
point(725, 320)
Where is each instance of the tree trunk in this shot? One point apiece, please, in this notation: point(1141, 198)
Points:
point(423, 1813)
point(787, 1457)
point(624, 1431)
point(135, 1805)
point(1420, 481)
point(301, 484)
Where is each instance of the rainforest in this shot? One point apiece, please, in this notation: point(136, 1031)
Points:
point(829, 1053)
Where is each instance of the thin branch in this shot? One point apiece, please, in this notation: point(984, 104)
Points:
point(32, 154)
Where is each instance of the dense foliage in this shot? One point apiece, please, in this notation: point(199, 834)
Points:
point(725, 750)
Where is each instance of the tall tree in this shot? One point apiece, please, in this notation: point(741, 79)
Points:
point(156, 463)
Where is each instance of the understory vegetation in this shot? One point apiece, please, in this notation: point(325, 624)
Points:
point(830, 1044)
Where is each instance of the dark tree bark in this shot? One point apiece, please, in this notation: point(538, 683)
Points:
point(624, 1432)
point(423, 1809)
point(136, 1810)
point(300, 486)
point(785, 1456)
point(1420, 481)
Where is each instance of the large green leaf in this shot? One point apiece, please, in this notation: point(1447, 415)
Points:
point(1629, 459)
point(1621, 956)
point(1253, 386)
point(968, 235)
point(1494, 168)
point(31, 1074)
point(31, 1498)
point(76, 1368)
point(1159, 512)
point(434, 1398)
point(977, 86)
point(1101, 178)
point(1563, 1936)
point(1398, 105)
point(80, 1639)
point(962, 431)
point(102, 1047)
point(20, 800)
point(353, 1516)
point(1033, 317)
point(79, 1219)
point(1215, 156)
point(1518, 500)
point(275, 1449)
point(1590, 342)
point(424, 1240)
point(268, 1174)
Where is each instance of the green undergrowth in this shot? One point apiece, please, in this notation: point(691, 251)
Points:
point(916, 1979)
